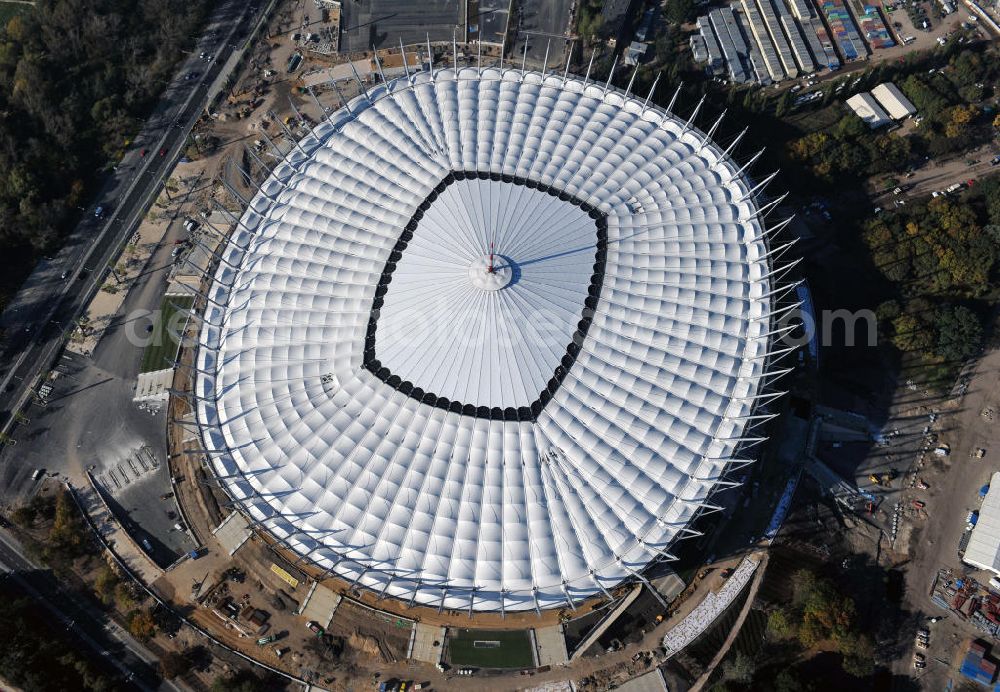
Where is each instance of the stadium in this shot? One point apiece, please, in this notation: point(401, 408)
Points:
point(489, 340)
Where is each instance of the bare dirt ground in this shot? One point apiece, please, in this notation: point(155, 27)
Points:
point(938, 174)
point(928, 537)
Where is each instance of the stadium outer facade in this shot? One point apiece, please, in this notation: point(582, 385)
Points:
point(489, 340)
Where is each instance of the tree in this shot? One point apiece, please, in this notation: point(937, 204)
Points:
point(858, 651)
point(959, 333)
point(803, 585)
point(67, 538)
point(240, 680)
point(680, 11)
point(174, 664)
point(779, 624)
point(41, 654)
point(105, 584)
point(141, 624)
point(76, 78)
point(125, 600)
point(789, 680)
point(783, 104)
point(887, 311)
point(909, 334)
point(738, 668)
point(590, 21)
point(959, 119)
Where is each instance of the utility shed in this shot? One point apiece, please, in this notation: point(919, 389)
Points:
point(866, 107)
point(893, 101)
point(983, 550)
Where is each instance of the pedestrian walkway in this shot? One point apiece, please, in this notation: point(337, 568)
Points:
point(116, 537)
point(713, 605)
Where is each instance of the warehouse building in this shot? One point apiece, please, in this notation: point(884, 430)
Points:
point(816, 34)
point(757, 66)
point(763, 41)
point(867, 108)
point(773, 28)
point(705, 47)
point(755, 21)
point(893, 101)
point(734, 47)
point(796, 40)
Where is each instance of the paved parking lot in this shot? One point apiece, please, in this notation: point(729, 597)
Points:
point(489, 18)
point(383, 23)
point(540, 21)
point(88, 421)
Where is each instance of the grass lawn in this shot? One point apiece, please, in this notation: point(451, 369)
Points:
point(163, 345)
point(490, 649)
point(9, 9)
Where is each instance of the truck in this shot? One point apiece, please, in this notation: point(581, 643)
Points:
point(953, 188)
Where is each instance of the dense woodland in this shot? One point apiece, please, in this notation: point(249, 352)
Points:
point(39, 654)
point(77, 77)
point(819, 618)
point(941, 257)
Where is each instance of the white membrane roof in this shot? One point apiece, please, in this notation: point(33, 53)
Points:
point(351, 403)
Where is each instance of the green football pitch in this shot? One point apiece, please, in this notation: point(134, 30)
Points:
point(490, 648)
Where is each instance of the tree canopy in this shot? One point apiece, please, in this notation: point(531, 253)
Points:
point(942, 257)
point(38, 654)
point(76, 78)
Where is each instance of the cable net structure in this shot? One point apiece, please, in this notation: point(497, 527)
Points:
point(487, 339)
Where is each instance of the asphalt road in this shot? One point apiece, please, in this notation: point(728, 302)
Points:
point(88, 625)
point(44, 310)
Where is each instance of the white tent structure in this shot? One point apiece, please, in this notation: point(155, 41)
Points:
point(893, 101)
point(983, 550)
point(488, 340)
point(868, 109)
